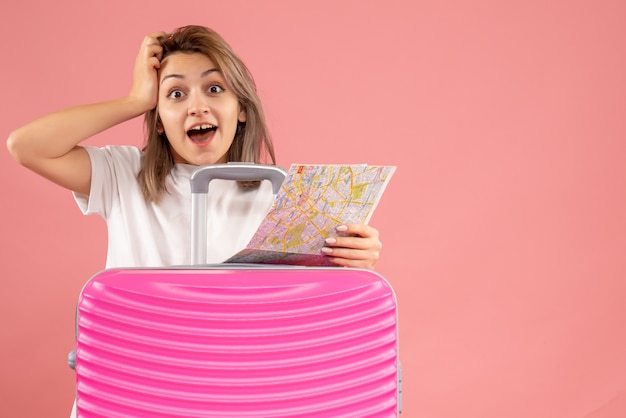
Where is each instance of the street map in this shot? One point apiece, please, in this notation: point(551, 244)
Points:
point(312, 202)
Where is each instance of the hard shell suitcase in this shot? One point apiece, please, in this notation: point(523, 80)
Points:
point(237, 340)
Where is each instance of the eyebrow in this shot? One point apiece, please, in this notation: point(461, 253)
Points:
point(180, 76)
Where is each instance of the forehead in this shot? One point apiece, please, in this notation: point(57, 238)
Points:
point(185, 65)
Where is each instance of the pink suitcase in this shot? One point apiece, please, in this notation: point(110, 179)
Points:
point(237, 341)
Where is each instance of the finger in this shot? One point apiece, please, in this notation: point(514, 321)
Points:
point(353, 253)
point(155, 59)
point(154, 37)
point(152, 44)
point(358, 243)
point(362, 230)
point(153, 50)
point(354, 263)
point(150, 57)
point(348, 253)
point(353, 235)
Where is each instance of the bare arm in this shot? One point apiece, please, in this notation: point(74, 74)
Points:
point(49, 145)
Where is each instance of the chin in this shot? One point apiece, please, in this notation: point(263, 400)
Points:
point(207, 161)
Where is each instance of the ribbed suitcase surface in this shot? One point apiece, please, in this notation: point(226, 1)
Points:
point(237, 342)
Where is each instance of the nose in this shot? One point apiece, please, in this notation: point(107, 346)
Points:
point(198, 105)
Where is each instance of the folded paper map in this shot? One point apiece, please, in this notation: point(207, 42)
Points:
point(312, 202)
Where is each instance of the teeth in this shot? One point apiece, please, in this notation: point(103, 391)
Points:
point(200, 127)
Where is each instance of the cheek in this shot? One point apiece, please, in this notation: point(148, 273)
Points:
point(169, 118)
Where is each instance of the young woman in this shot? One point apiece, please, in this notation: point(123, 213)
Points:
point(201, 107)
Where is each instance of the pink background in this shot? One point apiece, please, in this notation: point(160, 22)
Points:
point(504, 226)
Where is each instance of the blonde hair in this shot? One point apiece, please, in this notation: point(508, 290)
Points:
point(252, 142)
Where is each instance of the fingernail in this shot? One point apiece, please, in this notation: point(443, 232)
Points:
point(330, 240)
point(342, 228)
point(327, 250)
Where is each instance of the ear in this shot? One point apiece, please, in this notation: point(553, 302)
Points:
point(242, 115)
point(159, 126)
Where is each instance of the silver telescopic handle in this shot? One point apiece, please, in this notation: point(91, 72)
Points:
point(200, 180)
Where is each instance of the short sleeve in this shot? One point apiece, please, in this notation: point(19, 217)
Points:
point(107, 165)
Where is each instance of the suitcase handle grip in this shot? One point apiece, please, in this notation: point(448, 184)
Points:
point(203, 175)
point(200, 179)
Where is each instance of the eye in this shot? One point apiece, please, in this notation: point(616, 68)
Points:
point(176, 94)
point(215, 88)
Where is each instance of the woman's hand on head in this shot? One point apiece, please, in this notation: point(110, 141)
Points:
point(358, 245)
point(145, 88)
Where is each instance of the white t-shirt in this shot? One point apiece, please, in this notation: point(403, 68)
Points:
point(147, 234)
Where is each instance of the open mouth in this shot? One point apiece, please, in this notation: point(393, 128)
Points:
point(202, 133)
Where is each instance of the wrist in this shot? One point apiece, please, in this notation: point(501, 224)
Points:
point(137, 105)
